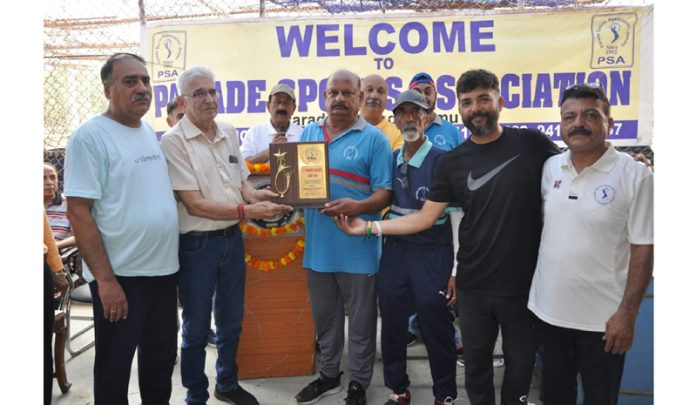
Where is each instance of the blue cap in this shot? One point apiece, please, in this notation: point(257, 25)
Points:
point(421, 77)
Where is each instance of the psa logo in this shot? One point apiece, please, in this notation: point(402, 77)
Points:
point(613, 40)
point(168, 55)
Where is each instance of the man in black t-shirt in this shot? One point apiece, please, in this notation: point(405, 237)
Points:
point(496, 177)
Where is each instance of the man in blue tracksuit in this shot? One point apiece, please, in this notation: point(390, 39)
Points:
point(415, 270)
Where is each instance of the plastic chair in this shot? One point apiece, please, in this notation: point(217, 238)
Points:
point(78, 291)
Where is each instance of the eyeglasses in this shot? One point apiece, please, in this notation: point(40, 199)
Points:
point(585, 89)
point(403, 176)
point(200, 94)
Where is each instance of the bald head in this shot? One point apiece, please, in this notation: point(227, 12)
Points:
point(343, 97)
point(374, 80)
point(374, 89)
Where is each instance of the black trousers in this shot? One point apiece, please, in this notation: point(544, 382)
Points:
point(150, 327)
point(49, 316)
point(480, 317)
point(567, 352)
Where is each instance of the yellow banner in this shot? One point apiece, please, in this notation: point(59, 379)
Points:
point(535, 55)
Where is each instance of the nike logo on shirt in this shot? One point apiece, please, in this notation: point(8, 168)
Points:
point(475, 184)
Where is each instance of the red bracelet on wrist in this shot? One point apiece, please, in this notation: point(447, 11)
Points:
point(240, 211)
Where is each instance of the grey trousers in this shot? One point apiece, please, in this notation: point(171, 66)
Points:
point(328, 293)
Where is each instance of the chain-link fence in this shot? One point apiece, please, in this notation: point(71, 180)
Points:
point(80, 34)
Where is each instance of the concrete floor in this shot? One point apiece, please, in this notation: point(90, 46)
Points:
point(272, 391)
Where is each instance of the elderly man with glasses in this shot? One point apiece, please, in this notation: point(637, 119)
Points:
point(595, 257)
point(209, 178)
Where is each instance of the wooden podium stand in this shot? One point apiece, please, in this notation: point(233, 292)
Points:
point(278, 337)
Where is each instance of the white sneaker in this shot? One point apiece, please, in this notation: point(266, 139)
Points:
point(497, 363)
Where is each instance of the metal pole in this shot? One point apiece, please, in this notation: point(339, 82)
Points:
point(141, 7)
point(262, 8)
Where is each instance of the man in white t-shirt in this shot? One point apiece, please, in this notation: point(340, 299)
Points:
point(596, 254)
point(281, 106)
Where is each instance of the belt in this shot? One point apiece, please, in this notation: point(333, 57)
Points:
point(218, 232)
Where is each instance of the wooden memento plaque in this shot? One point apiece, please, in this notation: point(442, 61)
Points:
point(300, 173)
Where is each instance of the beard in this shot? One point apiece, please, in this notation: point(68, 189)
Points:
point(410, 134)
point(486, 128)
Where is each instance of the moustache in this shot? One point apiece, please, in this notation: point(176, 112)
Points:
point(478, 114)
point(410, 128)
point(281, 112)
point(340, 105)
point(580, 131)
point(372, 102)
point(141, 97)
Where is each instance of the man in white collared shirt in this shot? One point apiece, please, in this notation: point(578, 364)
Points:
point(209, 177)
point(279, 128)
point(595, 256)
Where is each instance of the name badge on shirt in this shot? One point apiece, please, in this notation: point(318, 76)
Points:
point(233, 159)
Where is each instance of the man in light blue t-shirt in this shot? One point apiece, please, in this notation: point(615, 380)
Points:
point(341, 268)
point(124, 218)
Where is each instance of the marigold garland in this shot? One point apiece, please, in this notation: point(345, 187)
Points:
point(268, 265)
point(293, 226)
point(258, 167)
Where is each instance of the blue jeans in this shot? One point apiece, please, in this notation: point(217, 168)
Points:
point(211, 267)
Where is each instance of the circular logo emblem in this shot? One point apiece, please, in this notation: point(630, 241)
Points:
point(439, 139)
point(350, 153)
point(311, 156)
point(422, 193)
point(604, 194)
point(167, 50)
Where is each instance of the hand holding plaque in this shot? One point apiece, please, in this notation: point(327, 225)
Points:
point(300, 173)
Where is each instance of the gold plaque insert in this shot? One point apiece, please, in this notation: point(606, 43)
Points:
point(312, 174)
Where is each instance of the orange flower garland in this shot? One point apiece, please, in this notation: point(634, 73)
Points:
point(278, 231)
point(268, 265)
point(258, 167)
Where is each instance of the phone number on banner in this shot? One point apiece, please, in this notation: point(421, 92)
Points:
point(627, 129)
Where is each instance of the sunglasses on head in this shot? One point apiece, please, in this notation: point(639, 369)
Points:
point(584, 89)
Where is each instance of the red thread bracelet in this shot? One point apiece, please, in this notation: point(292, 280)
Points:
point(240, 211)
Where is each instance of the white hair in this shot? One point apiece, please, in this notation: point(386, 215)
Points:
point(191, 74)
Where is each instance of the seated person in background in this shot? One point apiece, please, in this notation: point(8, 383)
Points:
point(54, 277)
point(56, 206)
point(281, 106)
